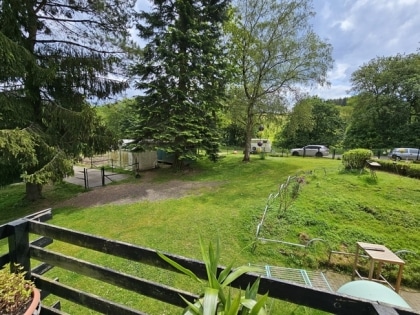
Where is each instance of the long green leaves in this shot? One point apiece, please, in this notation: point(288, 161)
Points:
point(179, 267)
point(214, 300)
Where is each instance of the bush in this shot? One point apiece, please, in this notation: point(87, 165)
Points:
point(410, 169)
point(356, 158)
point(15, 290)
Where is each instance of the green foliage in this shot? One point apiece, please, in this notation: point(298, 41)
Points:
point(15, 290)
point(312, 120)
point(356, 158)
point(262, 155)
point(233, 135)
point(413, 171)
point(403, 168)
point(13, 205)
point(183, 73)
point(14, 58)
point(387, 109)
point(214, 300)
point(15, 145)
point(118, 117)
point(340, 207)
point(48, 76)
point(379, 121)
point(275, 48)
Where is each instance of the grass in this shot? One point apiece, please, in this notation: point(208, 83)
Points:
point(339, 207)
point(13, 204)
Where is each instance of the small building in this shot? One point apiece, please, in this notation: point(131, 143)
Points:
point(132, 160)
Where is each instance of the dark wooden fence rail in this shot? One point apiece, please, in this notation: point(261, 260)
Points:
point(21, 250)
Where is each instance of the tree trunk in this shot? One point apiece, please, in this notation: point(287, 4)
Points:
point(177, 163)
point(33, 191)
point(249, 126)
point(247, 150)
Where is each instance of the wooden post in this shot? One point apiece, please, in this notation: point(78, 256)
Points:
point(19, 246)
point(356, 258)
point(399, 276)
point(103, 175)
point(85, 177)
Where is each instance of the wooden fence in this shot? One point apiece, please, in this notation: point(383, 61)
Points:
point(21, 250)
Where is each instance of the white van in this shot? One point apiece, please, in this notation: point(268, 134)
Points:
point(260, 145)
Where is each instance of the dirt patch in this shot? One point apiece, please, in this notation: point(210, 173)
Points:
point(145, 189)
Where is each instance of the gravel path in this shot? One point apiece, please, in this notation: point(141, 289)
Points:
point(145, 189)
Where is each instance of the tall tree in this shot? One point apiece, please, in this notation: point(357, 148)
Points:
point(387, 110)
point(118, 117)
point(312, 121)
point(74, 48)
point(395, 77)
point(268, 112)
point(376, 122)
point(182, 74)
point(277, 51)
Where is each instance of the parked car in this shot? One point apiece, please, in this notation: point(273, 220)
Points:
point(311, 150)
point(404, 154)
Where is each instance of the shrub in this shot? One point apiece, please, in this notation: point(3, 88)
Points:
point(356, 158)
point(413, 171)
point(15, 291)
point(214, 299)
point(403, 168)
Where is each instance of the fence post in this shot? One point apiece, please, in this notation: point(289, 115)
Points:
point(85, 177)
point(137, 169)
point(19, 246)
point(103, 175)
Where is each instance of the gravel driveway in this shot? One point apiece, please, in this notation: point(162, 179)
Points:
point(145, 189)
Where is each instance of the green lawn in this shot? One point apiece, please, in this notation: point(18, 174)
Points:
point(337, 206)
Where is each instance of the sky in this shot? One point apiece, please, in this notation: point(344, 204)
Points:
point(359, 31)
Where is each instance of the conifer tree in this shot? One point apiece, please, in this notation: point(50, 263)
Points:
point(60, 54)
point(182, 76)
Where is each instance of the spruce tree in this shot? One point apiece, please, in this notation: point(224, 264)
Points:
point(182, 77)
point(66, 53)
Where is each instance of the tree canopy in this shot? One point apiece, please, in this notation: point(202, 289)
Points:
point(118, 117)
point(387, 111)
point(58, 55)
point(182, 74)
point(276, 51)
point(312, 121)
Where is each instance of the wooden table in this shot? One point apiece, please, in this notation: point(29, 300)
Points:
point(373, 166)
point(378, 254)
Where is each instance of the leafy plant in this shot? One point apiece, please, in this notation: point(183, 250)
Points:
point(356, 158)
point(214, 299)
point(15, 290)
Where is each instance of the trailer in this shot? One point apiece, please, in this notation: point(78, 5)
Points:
point(260, 145)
